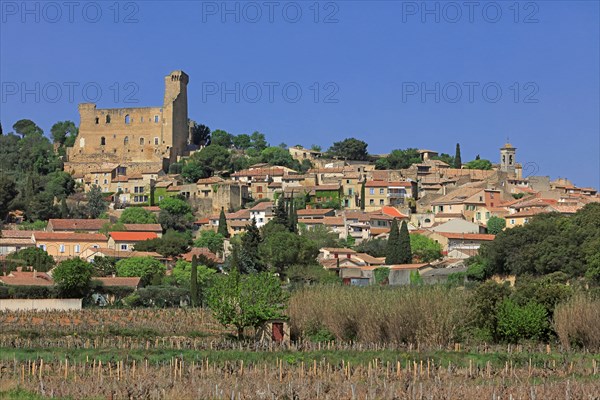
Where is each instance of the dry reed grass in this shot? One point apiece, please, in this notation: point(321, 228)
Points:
point(424, 315)
point(577, 322)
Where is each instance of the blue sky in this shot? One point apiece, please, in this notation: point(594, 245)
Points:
point(395, 74)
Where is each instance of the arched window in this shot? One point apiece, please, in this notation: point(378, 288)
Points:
point(97, 120)
point(102, 141)
point(141, 141)
point(126, 140)
point(108, 119)
point(127, 119)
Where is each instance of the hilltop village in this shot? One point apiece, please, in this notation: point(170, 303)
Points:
point(140, 159)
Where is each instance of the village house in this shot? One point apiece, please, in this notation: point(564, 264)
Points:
point(12, 241)
point(459, 245)
point(300, 153)
point(262, 213)
point(63, 245)
point(76, 225)
point(384, 193)
point(28, 277)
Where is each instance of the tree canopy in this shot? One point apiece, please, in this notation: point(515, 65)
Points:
point(73, 277)
point(137, 215)
point(350, 149)
point(150, 271)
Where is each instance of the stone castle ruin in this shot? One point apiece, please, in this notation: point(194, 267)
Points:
point(137, 139)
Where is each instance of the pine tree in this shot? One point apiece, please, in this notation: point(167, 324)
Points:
point(457, 160)
point(223, 224)
point(249, 259)
point(393, 245)
point(404, 245)
point(194, 282)
point(281, 216)
point(363, 201)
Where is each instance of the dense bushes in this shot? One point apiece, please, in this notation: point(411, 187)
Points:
point(427, 315)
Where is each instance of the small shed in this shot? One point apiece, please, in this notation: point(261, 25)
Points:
point(274, 330)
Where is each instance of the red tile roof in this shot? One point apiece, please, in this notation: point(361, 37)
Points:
point(77, 224)
point(265, 205)
point(407, 266)
point(340, 250)
point(17, 234)
point(69, 237)
point(314, 211)
point(18, 278)
point(132, 236)
point(378, 183)
point(196, 251)
point(393, 212)
point(143, 227)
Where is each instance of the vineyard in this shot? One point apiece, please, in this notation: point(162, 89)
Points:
point(184, 354)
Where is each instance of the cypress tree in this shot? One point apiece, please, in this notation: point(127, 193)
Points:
point(64, 208)
point(281, 216)
point(404, 245)
point(194, 282)
point(249, 259)
point(393, 245)
point(363, 201)
point(223, 224)
point(293, 216)
point(457, 160)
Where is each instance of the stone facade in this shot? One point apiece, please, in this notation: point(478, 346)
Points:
point(137, 139)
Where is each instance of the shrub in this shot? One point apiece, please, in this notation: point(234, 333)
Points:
point(517, 322)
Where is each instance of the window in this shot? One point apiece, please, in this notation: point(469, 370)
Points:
point(371, 191)
point(77, 248)
point(127, 119)
point(156, 141)
point(372, 202)
point(106, 181)
point(478, 216)
point(123, 247)
point(141, 141)
point(348, 181)
point(96, 181)
point(350, 192)
point(156, 119)
point(380, 202)
point(512, 221)
point(102, 141)
point(42, 246)
point(108, 119)
point(126, 140)
point(141, 119)
point(97, 120)
point(487, 215)
point(62, 248)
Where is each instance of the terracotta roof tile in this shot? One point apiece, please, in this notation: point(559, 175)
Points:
point(77, 224)
point(132, 236)
point(119, 281)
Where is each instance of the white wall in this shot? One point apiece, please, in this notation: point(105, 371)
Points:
point(40, 304)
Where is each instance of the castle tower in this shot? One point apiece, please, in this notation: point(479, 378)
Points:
point(507, 158)
point(175, 113)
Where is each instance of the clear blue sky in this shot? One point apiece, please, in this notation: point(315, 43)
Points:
point(374, 58)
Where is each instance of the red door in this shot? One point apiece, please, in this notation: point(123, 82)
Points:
point(277, 332)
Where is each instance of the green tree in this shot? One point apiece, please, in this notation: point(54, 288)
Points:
point(194, 281)
point(137, 215)
point(223, 230)
point(479, 164)
point(281, 215)
point(64, 133)
point(280, 249)
point(175, 214)
point(495, 225)
point(425, 249)
point(404, 244)
point(211, 240)
point(64, 209)
point(181, 276)
point(242, 142)
point(516, 322)
point(96, 204)
point(26, 127)
point(34, 257)
point(276, 155)
point(206, 162)
point(171, 244)
point(320, 235)
point(104, 266)
point(150, 271)
point(221, 138)
point(457, 159)
point(73, 277)
point(374, 247)
point(363, 197)
point(249, 258)
point(393, 255)
point(314, 274)
point(350, 149)
point(41, 207)
point(246, 300)
point(200, 134)
point(8, 193)
point(399, 159)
